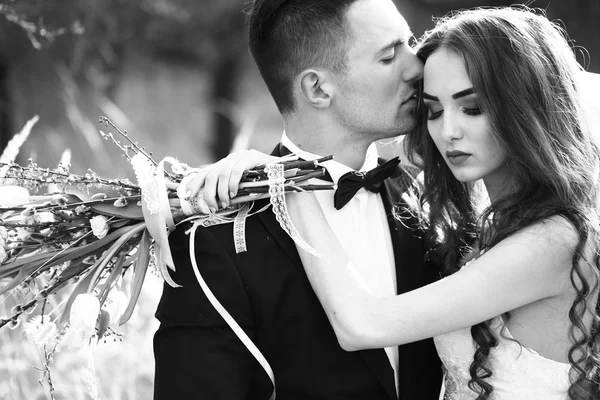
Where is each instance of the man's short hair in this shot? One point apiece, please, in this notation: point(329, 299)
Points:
point(289, 36)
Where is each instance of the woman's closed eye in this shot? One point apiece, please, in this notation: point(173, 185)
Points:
point(433, 113)
point(472, 110)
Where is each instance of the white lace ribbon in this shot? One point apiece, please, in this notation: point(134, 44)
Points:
point(239, 229)
point(277, 192)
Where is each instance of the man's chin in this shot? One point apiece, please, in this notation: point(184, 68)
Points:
point(406, 124)
point(397, 133)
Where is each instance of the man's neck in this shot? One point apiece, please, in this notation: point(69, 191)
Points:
point(344, 148)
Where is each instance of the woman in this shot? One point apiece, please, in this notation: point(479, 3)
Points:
point(517, 314)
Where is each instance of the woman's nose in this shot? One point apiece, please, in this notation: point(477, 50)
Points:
point(451, 129)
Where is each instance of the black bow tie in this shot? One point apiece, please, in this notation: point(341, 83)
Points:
point(352, 182)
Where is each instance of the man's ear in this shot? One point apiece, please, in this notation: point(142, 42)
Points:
point(316, 87)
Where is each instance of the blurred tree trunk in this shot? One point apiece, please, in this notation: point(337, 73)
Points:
point(227, 73)
point(224, 93)
point(5, 104)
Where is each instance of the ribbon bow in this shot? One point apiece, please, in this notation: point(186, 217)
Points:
point(352, 182)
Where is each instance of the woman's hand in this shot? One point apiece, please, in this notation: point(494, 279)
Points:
point(219, 182)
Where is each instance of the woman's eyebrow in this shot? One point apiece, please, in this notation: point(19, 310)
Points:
point(455, 96)
point(463, 93)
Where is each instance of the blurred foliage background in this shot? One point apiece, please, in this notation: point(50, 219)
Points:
point(177, 75)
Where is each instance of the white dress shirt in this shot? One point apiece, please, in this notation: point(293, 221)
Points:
point(362, 229)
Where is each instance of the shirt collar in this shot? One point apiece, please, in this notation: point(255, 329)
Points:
point(335, 169)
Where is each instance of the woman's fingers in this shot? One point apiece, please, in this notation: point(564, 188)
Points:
point(219, 170)
point(248, 160)
point(224, 177)
point(217, 180)
point(220, 181)
point(195, 183)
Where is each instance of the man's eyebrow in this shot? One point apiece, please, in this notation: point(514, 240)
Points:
point(455, 96)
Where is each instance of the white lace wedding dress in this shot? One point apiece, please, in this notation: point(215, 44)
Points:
point(519, 373)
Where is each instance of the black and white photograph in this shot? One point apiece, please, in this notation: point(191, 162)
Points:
point(299, 200)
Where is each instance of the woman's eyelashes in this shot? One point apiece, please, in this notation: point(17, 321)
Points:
point(433, 110)
point(472, 110)
point(432, 114)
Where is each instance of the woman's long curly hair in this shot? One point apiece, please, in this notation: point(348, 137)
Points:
point(526, 76)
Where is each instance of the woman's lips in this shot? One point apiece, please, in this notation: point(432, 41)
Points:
point(457, 157)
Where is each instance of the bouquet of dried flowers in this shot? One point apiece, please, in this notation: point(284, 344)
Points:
point(84, 234)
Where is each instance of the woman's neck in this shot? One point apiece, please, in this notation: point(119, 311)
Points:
point(498, 188)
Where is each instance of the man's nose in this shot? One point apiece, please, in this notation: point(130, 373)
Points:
point(413, 70)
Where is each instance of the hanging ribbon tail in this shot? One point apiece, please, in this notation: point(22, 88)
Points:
point(237, 329)
point(162, 266)
point(156, 228)
point(165, 211)
point(277, 193)
point(156, 210)
point(239, 228)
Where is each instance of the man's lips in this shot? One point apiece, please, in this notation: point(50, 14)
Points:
point(456, 157)
point(412, 97)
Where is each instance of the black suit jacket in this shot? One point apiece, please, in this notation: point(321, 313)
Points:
point(267, 292)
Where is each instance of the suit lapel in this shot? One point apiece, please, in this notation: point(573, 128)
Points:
point(407, 243)
point(379, 364)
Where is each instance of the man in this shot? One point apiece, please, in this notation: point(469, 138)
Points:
point(343, 76)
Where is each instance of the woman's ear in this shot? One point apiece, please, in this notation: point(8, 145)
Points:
point(316, 87)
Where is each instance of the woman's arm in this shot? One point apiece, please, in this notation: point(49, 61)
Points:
point(530, 265)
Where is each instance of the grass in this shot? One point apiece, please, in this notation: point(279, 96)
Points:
point(124, 370)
